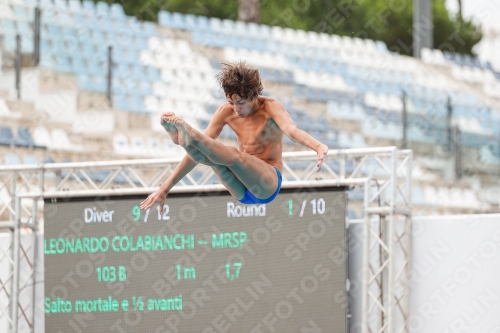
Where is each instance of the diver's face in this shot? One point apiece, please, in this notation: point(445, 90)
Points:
point(240, 105)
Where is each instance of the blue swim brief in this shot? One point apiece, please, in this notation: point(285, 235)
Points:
point(249, 198)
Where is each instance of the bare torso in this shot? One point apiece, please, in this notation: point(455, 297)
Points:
point(258, 134)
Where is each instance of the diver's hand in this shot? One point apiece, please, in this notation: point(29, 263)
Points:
point(322, 150)
point(157, 196)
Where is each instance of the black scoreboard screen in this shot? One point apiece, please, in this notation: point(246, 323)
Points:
point(205, 264)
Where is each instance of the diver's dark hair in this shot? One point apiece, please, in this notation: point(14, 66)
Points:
point(237, 78)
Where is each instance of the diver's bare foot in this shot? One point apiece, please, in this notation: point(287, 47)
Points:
point(184, 130)
point(169, 127)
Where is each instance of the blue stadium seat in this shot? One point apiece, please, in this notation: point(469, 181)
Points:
point(79, 66)
point(61, 5)
point(136, 103)
point(62, 64)
point(149, 29)
point(225, 25)
point(202, 23)
point(211, 108)
point(30, 160)
point(6, 136)
point(116, 11)
point(88, 50)
point(98, 38)
point(75, 6)
point(45, 45)
point(285, 76)
point(46, 4)
point(122, 71)
point(12, 159)
point(119, 55)
point(139, 43)
point(130, 86)
point(215, 24)
point(24, 138)
point(153, 74)
point(27, 45)
point(48, 61)
point(271, 46)
point(221, 39)
point(165, 18)
point(48, 160)
point(381, 46)
point(102, 8)
point(97, 66)
point(118, 88)
point(490, 154)
point(53, 32)
point(253, 30)
point(201, 37)
point(98, 83)
point(134, 26)
point(119, 26)
point(204, 124)
point(70, 34)
point(139, 72)
point(92, 83)
point(7, 27)
point(120, 102)
point(417, 196)
point(89, 7)
point(191, 22)
point(265, 31)
point(23, 13)
point(300, 91)
point(131, 56)
point(178, 21)
point(84, 82)
point(80, 21)
point(145, 88)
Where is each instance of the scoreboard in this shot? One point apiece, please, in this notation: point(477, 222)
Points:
point(206, 264)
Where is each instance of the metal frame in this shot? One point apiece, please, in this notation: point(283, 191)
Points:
point(385, 174)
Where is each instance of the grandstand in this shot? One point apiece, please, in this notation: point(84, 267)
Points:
point(346, 92)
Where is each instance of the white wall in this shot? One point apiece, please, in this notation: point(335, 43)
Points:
point(455, 274)
point(455, 284)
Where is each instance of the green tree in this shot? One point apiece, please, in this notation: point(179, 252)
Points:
point(388, 20)
point(148, 9)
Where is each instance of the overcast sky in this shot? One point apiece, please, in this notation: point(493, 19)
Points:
point(486, 12)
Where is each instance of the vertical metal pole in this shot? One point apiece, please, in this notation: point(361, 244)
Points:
point(449, 116)
point(391, 235)
point(408, 244)
point(36, 36)
point(406, 295)
point(12, 218)
point(404, 121)
point(13, 188)
point(35, 246)
point(18, 66)
point(382, 222)
point(409, 169)
point(366, 261)
point(458, 153)
point(110, 71)
point(15, 279)
point(342, 167)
